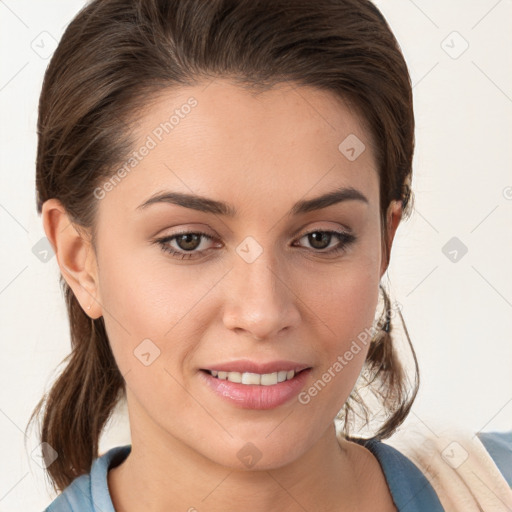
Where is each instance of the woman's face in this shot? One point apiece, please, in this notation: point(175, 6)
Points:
point(256, 288)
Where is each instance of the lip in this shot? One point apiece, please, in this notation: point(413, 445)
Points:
point(253, 396)
point(246, 366)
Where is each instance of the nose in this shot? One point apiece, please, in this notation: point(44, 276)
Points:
point(260, 300)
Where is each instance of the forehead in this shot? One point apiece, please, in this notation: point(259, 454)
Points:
point(221, 140)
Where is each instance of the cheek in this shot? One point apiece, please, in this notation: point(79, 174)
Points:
point(350, 313)
point(139, 290)
point(345, 295)
point(146, 306)
point(144, 296)
point(138, 301)
point(344, 300)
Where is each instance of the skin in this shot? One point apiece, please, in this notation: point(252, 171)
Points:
point(260, 153)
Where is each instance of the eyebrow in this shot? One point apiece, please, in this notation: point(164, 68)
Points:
point(204, 204)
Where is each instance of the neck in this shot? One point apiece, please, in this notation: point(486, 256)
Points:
point(159, 478)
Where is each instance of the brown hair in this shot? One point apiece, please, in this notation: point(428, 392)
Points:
point(113, 56)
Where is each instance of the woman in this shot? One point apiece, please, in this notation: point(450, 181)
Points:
point(221, 182)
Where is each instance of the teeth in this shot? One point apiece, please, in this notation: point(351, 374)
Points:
point(267, 379)
point(247, 378)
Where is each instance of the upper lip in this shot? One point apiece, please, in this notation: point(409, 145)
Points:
point(246, 366)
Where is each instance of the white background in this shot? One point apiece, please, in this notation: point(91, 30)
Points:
point(459, 315)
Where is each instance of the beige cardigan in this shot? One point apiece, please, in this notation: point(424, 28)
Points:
point(458, 466)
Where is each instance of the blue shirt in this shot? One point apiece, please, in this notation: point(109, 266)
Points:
point(410, 489)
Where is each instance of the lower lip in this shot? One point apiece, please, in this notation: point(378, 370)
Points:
point(251, 396)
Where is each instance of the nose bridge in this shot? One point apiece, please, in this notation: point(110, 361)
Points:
point(261, 279)
point(260, 302)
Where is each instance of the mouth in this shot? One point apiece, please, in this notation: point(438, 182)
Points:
point(255, 379)
point(257, 391)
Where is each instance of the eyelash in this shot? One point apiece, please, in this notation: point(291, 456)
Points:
point(345, 240)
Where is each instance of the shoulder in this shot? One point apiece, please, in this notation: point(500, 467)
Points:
point(76, 496)
point(408, 486)
point(499, 446)
point(89, 492)
point(467, 470)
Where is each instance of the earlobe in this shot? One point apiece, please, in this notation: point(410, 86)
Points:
point(74, 254)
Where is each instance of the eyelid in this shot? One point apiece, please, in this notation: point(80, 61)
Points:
point(341, 231)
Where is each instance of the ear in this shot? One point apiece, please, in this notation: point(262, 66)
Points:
point(75, 256)
point(394, 216)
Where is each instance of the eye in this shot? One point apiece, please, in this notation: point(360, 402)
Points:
point(187, 244)
point(321, 239)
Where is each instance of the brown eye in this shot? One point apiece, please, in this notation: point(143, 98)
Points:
point(188, 241)
point(321, 239)
point(186, 244)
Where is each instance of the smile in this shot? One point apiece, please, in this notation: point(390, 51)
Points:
point(256, 390)
point(258, 379)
